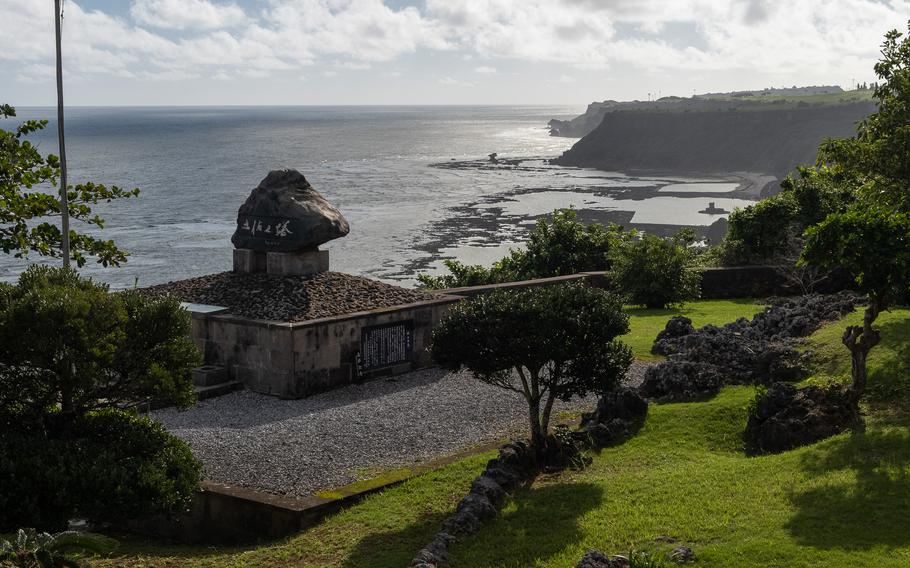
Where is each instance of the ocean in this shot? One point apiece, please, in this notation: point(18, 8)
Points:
point(415, 183)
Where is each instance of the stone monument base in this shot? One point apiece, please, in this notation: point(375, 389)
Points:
point(297, 263)
point(305, 263)
point(248, 260)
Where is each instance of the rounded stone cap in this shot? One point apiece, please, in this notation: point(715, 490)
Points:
point(285, 214)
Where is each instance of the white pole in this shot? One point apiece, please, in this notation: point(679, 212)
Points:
point(64, 202)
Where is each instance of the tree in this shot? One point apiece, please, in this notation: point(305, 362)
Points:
point(876, 159)
point(23, 170)
point(544, 343)
point(655, 272)
point(873, 244)
point(763, 233)
point(871, 240)
point(67, 341)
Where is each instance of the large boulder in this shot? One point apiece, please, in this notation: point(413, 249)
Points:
point(786, 417)
point(285, 214)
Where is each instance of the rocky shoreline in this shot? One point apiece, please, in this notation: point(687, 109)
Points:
point(289, 298)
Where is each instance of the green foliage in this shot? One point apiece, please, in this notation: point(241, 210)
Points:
point(23, 170)
point(106, 465)
point(561, 246)
point(655, 272)
point(545, 343)
point(871, 240)
point(877, 157)
point(873, 244)
point(31, 549)
point(752, 407)
point(68, 341)
point(461, 274)
point(643, 559)
point(761, 233)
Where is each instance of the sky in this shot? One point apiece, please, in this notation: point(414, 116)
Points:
point(375, 52)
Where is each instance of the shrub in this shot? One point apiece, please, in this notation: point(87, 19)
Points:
point(31, 549)
point(764, 233)
point(561, 246)
point(106, 465)
point(655, 272)
point(544, 343)
point(68, 341)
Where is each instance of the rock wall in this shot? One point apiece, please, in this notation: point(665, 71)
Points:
point(770, 140)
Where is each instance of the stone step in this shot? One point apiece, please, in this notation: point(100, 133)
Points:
point(220, 389)
point(208, 375)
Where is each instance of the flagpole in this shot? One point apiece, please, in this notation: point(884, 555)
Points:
point(64, 201)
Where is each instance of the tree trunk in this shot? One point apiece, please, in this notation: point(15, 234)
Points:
point(538, 436)
point(860, 340)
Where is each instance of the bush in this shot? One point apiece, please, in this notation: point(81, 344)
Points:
point(655, 272)
point(106, 465)
point(545, 343)
point(68, 341)
point(31, 549)
point(763, 233)
point(561, 246)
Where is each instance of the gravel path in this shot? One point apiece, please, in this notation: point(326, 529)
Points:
point(296, 447)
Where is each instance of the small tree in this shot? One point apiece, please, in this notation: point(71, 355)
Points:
point(655, 272)
point(545, 343)
point(871, 239)
point(873, 244)
point(68, 341)
point(22, 205)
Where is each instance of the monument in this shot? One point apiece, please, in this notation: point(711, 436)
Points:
point(281, 225)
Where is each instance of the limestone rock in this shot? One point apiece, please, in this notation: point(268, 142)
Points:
point(682, 555)
point(787, 417)
point(285, 214)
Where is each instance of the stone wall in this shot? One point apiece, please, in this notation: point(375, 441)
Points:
point(293, 360)
point(716, 283)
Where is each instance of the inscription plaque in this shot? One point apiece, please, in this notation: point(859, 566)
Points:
point(277, 234)
point(385, 345)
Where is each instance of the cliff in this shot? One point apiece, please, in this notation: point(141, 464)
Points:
point(770, 139)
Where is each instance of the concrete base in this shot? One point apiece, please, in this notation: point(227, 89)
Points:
point(248, 260)
point(297, 263)
point(209, 375)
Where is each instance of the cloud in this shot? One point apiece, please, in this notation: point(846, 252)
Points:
point(218, 38)
point(452, 82)
point(187, 14)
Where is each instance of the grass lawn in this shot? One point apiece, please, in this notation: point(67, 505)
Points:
point(843, 501)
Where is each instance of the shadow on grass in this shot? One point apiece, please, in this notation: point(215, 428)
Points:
point(541, 523)
point(889, 381)
point(395, 549)
point(866, 500)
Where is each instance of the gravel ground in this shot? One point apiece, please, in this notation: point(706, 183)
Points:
point(296, 447)
point(289, 298)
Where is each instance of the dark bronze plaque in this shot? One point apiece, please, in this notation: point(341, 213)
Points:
point(386, 345)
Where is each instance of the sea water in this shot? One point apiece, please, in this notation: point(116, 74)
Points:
point(402, 176)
